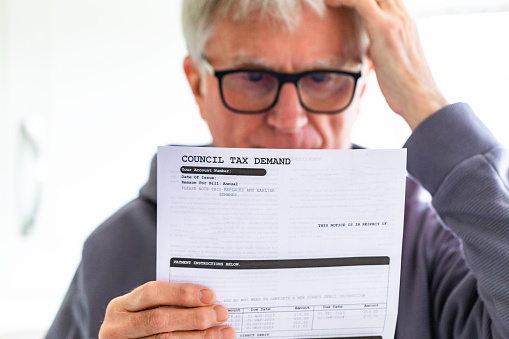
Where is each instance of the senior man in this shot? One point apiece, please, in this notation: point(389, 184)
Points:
point(291, 74)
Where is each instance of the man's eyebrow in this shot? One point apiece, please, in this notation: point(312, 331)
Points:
point(249, 61)
point(244, 60)
point(336, 63)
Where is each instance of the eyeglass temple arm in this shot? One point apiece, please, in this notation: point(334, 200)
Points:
point(207, 66)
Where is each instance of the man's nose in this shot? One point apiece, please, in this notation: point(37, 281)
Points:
point(288, 114)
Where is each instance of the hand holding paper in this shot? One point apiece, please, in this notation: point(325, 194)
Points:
point(144, 312)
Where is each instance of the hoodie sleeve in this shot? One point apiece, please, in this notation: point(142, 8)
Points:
point(456, 158)
point(117, 257)
point(71, 320)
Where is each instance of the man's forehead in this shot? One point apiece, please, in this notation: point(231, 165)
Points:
point(246, 59)
point(328, 42)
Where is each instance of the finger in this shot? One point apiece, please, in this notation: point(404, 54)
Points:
point(170, 319)
point(374, 13)
point(161, 320)
point(388, 5)
point(400, 5)
point(160, 293)
point(371, 13)
point(393, 7)
point(219, 332)
point(366, 8)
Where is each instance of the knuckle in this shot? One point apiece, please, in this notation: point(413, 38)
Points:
point(399, 23)
point(218, 333)
point(147, 293)
point(405, 23)
point(105, 332)
point(393, 27)
point(185, 295)
point(150, 285)
point(203, 318)
point(392, 33)
point(168, 335)
point(113, 310)
point(157, 319)
point(109, 309)
point(112, 325)
point(109, 332)
point(178, 335)
point(210, 334)
point(113, 305)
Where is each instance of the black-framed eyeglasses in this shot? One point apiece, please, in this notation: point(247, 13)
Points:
point(251, 91)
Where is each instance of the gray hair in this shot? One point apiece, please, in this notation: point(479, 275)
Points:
point(198, 16)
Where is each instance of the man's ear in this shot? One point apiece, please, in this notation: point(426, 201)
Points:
point(194, 77)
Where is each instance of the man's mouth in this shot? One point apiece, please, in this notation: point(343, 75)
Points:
point(304, 138)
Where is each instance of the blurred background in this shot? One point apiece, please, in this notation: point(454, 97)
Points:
point(89, 89)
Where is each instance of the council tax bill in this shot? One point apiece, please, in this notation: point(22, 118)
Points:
point(295, 243)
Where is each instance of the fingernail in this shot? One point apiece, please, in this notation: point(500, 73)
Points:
point(227, 333)
point(221, 313)
point(207, 296)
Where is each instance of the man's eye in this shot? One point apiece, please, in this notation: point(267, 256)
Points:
point(318, 77)
point(254, 76)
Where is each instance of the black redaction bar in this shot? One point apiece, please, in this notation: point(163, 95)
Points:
point(276, 264)
point(257, 172)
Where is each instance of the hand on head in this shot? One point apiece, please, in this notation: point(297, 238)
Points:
point(395, 50)
point(166, 310)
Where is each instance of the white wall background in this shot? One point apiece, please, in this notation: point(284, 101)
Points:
point(99, 85)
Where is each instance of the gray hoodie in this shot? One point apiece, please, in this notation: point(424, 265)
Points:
point(455, 266)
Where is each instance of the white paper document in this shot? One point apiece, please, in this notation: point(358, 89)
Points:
point(295, 243)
